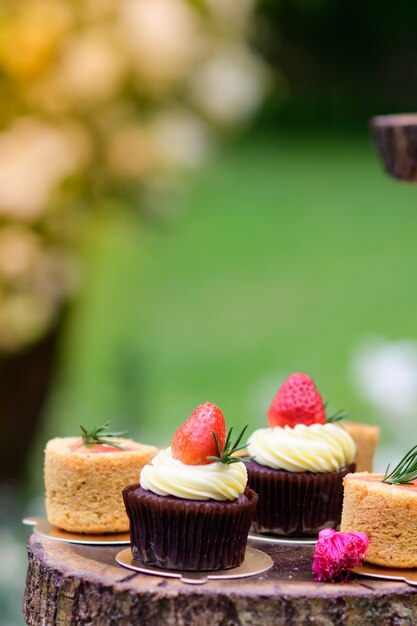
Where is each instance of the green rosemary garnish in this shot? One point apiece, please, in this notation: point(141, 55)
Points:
point(99, 435)
point(226, 456)
point(336, 417)
point(405, 472)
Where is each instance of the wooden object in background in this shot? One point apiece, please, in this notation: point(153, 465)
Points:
point(70, 585)
point(395, 138)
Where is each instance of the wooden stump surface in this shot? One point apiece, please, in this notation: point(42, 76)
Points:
point(70, 585)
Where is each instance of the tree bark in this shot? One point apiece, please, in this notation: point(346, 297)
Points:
point(69, 585)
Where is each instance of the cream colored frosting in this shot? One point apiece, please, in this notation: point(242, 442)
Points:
point(167, 476)
point(315, 448)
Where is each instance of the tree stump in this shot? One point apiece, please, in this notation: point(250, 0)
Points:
point(73, 585)
point(395, 138)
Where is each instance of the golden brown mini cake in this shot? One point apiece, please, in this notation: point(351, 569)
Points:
point(366, 438)
point(84, 483)
point(387, 513)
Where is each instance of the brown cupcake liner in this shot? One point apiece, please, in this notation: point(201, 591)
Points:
point(296, 504)
point(175, 533)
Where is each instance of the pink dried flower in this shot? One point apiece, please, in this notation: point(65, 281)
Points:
point(337, 553)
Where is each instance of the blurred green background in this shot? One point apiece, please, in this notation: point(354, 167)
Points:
point(289, 250)
point(286, 253)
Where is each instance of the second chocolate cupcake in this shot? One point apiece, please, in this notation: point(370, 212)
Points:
point(296, 504)
point(299, 463)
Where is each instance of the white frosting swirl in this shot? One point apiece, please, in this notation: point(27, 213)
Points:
point(167, 476)
point(315, 448)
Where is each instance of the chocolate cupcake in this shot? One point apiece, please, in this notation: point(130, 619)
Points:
point(296, 504)
point(176, 533)
point(192, 509)
point(298, 464)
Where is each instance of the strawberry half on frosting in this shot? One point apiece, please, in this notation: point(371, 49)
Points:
point(298, 401)
point(193, 442)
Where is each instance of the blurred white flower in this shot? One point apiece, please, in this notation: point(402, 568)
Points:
point(181, 140)
point(163, 38)
point(229, 85)
point(385, 375)
point(35, 158)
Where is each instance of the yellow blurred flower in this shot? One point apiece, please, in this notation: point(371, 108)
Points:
point(31, 36)
point(35, 158)
point(27, 262)
point(24, 318)
point(130, 152)
point(99, 96)
point(90, 69)
point(20, 250)
point(96, 10)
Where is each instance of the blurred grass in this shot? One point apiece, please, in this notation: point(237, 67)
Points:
point(287, 253)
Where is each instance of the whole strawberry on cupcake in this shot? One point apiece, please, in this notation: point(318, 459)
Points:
point(299, 463)
point(192, 509)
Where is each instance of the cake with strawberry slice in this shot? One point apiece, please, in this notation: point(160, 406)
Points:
point(298, 463)
point(384, 507)
point(84, 478)
point(192, 509)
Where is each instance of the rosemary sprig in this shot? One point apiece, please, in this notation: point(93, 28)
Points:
point(405, 472)
point(336, 417)
point(227, 454)
point(100, 435)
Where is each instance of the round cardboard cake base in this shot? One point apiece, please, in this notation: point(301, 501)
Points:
point(255, 562)
point(387, 573)
point(43, 528)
